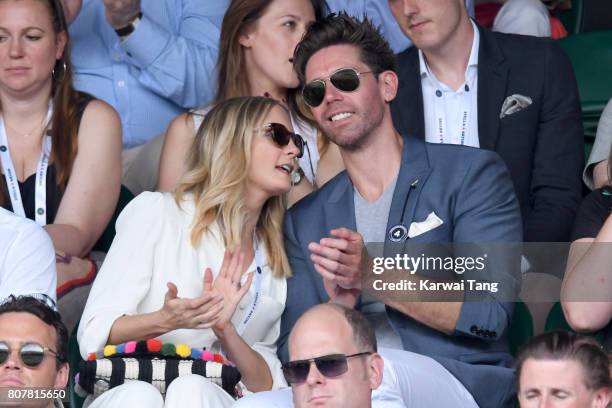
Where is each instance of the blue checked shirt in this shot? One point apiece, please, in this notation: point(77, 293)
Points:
point(167, 65)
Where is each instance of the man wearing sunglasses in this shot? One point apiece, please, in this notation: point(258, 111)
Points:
point(399, 190)
point(515, 95)
point(334, 362)
point(33, 351)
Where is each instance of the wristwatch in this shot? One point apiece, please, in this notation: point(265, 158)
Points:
point(297, 176)
point(124, 32)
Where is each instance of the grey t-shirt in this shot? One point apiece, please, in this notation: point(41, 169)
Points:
point(371, 220)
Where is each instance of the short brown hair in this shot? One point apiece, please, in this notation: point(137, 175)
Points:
point(342, 29)
point(564, 345)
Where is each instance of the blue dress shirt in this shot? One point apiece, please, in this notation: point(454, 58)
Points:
point(164, 67)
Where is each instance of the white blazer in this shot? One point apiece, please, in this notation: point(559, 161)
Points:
point(153, 247)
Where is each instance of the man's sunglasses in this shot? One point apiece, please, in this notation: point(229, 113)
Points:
point(344, 79)
point(31, 354)
point(280, 135)
point(330, 366)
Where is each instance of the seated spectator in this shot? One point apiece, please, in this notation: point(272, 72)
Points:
point(514, 95)
point(224, 217)
point(586, 292)
point(27, 259)
point(408, 379)
point(396, 187)
point(33, 350)
point(150, 60)
point(596, 170)
point(257, 43)
point(380, 15)
point(60, 149)
point(563, 369)
point(342, 345)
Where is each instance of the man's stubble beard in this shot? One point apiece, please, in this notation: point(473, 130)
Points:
point(370, 122)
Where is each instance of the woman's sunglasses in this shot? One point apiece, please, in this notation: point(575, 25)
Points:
point(344, 79)
point(330, 366)
point(32, 354)
point(280, 135)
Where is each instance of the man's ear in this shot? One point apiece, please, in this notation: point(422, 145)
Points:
point(389, 83)
point(376, 370)
point(603, 397)
point(61, 378)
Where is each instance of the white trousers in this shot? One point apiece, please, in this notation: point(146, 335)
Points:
point(191, 391)
point(409, 380)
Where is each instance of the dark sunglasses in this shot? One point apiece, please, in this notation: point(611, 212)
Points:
point(280, 135)
point(330, 366)
point(31, 354)
point(344, 79)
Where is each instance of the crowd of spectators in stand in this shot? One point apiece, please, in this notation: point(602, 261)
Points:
point(276, 149)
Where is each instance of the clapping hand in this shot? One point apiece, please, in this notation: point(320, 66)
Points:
point(340, 259)
point(227, 284)
point(199, 313)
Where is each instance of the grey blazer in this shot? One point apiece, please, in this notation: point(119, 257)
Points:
point(471, 191)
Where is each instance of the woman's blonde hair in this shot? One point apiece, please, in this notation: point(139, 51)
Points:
point(218, 166)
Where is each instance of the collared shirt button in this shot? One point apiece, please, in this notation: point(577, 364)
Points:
point(121, 83)
point(474, 329)
point(438, 93)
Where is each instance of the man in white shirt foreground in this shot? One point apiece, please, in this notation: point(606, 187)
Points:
point(27, 258)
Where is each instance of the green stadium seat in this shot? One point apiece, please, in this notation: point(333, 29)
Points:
point(521, 327)
point(106, 239)
point(591, 56)
point(74, 357)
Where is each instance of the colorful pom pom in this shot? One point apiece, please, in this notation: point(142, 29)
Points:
point(183, 350)
point(208, 356)
point(130, 347)
point(121, 348)
point(109, 350)
point(168, 349)
point(154, 345)
point(218, 358)
point(196, 354)
point(92, 357)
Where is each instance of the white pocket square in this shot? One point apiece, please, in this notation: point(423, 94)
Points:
point(513, 104)
point(417, 228)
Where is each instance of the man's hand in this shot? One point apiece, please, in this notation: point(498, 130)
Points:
point(340, 259)
point(120, 13)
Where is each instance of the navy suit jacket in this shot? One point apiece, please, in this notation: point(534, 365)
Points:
point(470, 190)
point(542, 145)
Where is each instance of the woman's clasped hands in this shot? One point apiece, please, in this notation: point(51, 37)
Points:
point(216, 305)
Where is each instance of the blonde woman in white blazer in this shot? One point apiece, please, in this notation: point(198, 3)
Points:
point(182, 266)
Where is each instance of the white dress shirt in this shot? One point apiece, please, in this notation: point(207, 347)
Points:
point(451, 116)
point(153, 247)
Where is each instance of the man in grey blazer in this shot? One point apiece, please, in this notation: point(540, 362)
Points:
point(399, 188)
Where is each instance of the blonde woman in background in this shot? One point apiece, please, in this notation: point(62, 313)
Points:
point(182, 262)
